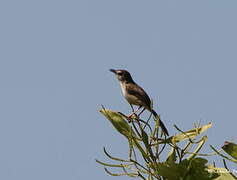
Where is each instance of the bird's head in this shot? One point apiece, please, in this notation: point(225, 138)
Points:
point(122, 75)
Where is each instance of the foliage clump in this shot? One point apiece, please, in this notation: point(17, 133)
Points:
point(148, 146)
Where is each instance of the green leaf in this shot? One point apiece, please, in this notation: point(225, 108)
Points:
point(223, 174)
point(198, 170)
point(194, 169)
point(121, 125)
point(171, 171)
point(142, 151)
point(146, 143)
point(172, 155)
point(192, 133)
point(200, 144)
point(231, 149)
point(112, 165)
point(118, 121)
point(222, 155)
point(145, 138)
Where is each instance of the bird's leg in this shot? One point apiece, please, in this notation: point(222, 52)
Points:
point(132, 107)
point(141, 112)
point(133, 112)
point(129, 116)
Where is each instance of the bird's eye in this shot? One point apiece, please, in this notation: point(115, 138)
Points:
point(120, 73)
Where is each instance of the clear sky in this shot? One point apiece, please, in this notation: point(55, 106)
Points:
point(55, 58)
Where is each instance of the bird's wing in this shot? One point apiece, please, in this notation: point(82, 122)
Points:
point(139, 93)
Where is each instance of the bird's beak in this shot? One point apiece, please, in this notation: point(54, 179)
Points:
point(113, 70)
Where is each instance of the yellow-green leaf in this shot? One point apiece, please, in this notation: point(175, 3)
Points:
point(231, 149)
point(200, 144)
point(118, 121)
point(192, 133)
point(223, 174)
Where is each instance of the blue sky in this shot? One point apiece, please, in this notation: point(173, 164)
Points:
point(54, 62)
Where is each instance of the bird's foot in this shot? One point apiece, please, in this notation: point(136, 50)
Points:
point(133, 117)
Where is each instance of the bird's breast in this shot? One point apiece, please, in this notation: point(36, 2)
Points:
point(123, 88)
point(130, 97)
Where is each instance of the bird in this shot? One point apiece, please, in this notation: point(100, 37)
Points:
point(135, 95)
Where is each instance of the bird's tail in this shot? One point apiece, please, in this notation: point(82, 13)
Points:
point(160, 123)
